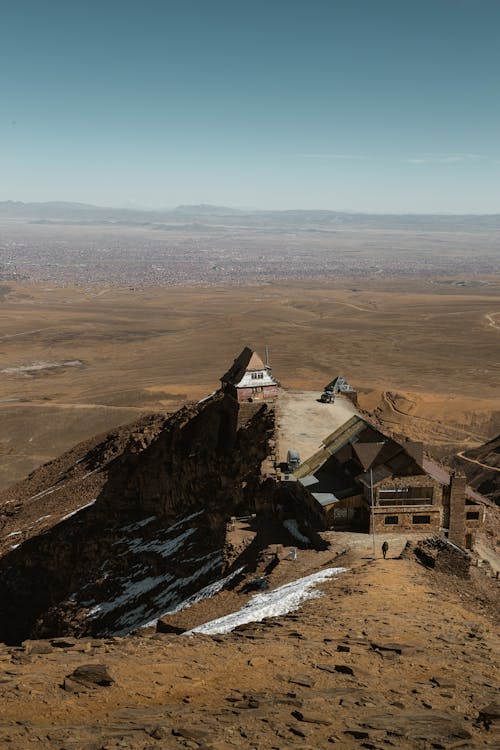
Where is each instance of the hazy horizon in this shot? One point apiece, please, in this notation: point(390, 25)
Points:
point(241, 209)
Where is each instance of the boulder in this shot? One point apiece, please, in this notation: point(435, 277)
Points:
point(88, 677)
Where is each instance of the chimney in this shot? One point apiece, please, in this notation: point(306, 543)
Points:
point(457, 509)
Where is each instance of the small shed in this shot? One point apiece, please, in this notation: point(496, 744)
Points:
point(339, 385)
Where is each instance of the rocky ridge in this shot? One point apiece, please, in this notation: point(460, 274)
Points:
point(151, 536)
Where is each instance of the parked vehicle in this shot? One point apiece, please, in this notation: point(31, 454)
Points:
point(293, 460)
point(328, 397)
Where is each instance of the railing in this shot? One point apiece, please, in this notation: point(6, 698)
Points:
point(386, 502)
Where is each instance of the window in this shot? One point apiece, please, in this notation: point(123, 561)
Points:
point(393, 492)
point(257, 375)
point(388, 520)
point(421, 519)
point(406, 496)
point(472, 515)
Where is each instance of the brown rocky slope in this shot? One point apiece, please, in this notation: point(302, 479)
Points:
point(392, 656)
point(151, 536)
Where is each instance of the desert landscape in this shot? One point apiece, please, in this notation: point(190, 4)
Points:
point(76, 361)
point(249, 376)
point(134, 529)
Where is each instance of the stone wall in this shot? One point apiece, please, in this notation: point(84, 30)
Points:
point(406, 515)
point(440, 554)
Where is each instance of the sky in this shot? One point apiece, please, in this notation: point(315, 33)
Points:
point(361, 105)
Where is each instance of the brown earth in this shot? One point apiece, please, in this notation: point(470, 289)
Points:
point(425, 355)
point(393, 655)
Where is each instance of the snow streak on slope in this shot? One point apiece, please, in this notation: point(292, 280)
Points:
point(151, 571)
point(271, 604)
point(205, 593)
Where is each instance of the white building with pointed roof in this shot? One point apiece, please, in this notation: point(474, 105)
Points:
point(249, 379)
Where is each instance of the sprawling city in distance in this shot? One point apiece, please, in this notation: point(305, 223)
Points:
point(250, 375)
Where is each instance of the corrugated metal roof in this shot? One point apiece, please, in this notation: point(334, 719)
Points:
point(325, 498)
point(309, 480)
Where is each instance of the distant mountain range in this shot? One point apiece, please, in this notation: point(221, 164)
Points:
point(61, 212)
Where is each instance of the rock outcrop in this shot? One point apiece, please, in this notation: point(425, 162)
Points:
point(154, 534)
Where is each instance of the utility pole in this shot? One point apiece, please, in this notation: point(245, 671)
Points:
point(373, 512)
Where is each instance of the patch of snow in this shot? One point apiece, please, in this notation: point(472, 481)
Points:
point(199, 559)
point(15, 546)
point(13, 533)
point(202, 400)
point(165, 548)
point(133, 590)
point(143, 612)
point(284, 599)
point(74, 512)
point(205, 593)
point(139, 613)
point(292, 526)
point(185, 520)
point(89, 473)
point(48, 491)
point(138, 524)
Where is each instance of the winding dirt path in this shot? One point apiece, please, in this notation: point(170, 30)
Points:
point(457, 430)
point(473, 461)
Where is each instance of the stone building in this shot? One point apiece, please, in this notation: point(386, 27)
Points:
point(249, 379)
point(361, 477)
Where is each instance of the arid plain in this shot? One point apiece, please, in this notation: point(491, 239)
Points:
point(77, 361)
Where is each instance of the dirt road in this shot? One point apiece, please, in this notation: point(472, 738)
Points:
point(303, 422)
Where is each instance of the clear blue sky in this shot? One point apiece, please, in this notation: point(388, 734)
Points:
point(369, 105)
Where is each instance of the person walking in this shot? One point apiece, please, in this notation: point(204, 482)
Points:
point(385, 548)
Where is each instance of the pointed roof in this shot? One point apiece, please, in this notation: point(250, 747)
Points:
point(366, 453)
point(246, 361)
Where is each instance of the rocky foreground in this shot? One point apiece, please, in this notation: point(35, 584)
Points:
point(392, 655)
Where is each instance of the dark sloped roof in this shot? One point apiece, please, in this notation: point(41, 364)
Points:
point(367, 453)
point(246, 361)
point(415, 450)
point(440, 474)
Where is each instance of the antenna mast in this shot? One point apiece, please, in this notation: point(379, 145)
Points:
point(268, 365)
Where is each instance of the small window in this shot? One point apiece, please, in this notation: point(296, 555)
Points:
point(472, 515)
point(421, 519)
point(391, 520)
